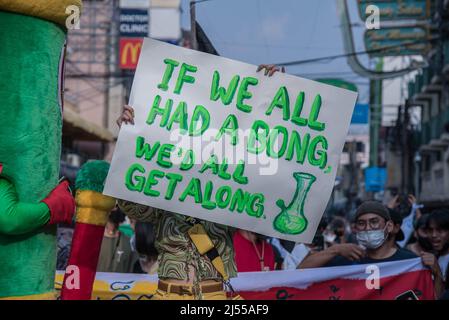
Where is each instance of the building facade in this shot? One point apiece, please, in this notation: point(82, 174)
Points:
point(430, 92)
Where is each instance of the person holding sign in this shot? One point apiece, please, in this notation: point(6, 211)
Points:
point(195, 257)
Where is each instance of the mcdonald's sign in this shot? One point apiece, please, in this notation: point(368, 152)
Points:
point(129, 52)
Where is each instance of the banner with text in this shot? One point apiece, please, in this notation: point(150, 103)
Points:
point(216, 140)
point(383, 281)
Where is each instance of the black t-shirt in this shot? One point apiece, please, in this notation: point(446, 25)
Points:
point(445, 295)
point(400, 254)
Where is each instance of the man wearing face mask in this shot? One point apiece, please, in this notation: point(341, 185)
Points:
point(373, 226)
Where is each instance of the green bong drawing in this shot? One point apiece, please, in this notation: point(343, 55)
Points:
point(292, 220)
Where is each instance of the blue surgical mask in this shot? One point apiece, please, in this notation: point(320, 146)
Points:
point(371, 239)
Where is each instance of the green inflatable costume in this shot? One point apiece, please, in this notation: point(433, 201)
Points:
point(32, 40)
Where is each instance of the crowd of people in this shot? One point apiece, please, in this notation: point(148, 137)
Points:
point(194, 258)
point(374, 233)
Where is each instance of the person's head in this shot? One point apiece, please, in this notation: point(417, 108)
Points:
point(145, 239)
point(403, 207)
point(396, 218)
point(335, 230)
point(116, 217)
point(373, 225)
point(338, 226)
point(438, 230)
point(421, 233)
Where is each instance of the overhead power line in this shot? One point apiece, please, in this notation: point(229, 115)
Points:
point(345, 55)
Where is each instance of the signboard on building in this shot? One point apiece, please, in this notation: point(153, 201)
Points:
point(397, 41)
point(359, 121)
point(134, 23)
point(129, 51)
point(165, 20)
point(165, 3)
point(375, 179)
point(165, 23)
point(141, 4)
point(396, 9)
point(361, 114)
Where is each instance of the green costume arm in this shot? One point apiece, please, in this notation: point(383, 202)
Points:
point(19, 217)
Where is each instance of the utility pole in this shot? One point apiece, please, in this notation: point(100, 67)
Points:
point(354, 171)
point(375, 102)
point(405, 165)
point(104, 145)
point(193, 38)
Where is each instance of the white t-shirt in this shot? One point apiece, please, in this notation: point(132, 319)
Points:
point(298, 254)
point(291, 259)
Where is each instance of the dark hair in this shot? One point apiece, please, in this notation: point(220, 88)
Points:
point(323, 224)
point(117, 216)
point(404, 207)
point(145, 237)
point(337, 223)
point(440, 217)
point(421, 222)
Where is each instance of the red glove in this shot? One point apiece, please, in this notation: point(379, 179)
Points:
point(61, 204)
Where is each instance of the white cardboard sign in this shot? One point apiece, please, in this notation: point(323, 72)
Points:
point(216, 140)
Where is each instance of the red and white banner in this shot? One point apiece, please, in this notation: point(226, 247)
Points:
point(354, 282)
point(383, 281)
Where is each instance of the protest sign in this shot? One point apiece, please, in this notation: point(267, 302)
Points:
point(216, 140)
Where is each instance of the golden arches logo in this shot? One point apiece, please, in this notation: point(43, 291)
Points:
point(130, 53)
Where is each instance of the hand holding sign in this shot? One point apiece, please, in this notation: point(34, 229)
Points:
point(216, 140)
point(127, 116)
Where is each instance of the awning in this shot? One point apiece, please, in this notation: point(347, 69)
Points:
point(78, 128)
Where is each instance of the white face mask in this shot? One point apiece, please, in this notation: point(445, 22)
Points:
point(330, 237)
point(371, 239)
